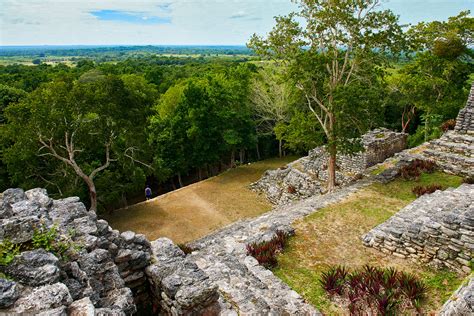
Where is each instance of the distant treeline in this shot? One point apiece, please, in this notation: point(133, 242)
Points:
point(94, 51)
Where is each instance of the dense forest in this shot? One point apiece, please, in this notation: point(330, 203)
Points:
point(103, 129)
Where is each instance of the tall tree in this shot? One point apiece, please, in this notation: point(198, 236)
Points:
point(81, 126)
point(338, 42)
point(271, 97)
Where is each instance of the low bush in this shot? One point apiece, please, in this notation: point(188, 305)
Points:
point(416, 167)
point(448, 125)
point(266, 251)
point(374, 291)
point(421, 190)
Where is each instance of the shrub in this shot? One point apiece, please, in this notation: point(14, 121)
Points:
point(448, 125)
point(374, 291)
point(266, 251)
point(421, 190)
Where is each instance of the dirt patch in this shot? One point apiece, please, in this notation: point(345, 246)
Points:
point(198, 209)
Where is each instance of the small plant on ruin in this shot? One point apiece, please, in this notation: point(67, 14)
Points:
point(266, 251)
point(422, 190)
point(374, 291)
point(291, 189)
point(186, 249)
point(8, 251)
point(448, 125)
point(52, 241)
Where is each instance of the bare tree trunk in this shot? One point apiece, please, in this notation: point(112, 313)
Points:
point(92, 193)
point(180, 180)
point(332, 156)
point(173, 185)
point(199, 174)
point(258, 151)
point(332, 168)
point(242, 156)
point(232, 159)
point(280, 152)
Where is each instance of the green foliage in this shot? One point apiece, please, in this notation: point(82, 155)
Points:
point(8, 251)
point(51, 240)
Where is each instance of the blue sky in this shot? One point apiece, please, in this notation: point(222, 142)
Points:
point(169, 22)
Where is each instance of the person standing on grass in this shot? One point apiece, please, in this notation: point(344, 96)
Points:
point(147, 192)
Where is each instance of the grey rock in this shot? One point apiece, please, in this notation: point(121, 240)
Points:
point(82, 307)
point(43, 298)
point(34, 268)
point(18, 229)
point(39, 196)
point(9, 293)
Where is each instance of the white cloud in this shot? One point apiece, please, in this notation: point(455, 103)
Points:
point(60, 22)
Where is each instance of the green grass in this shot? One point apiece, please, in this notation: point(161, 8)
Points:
point(402, 189)
point(331, 236)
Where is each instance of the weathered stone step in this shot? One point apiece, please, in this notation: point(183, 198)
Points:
point(451, 162)
point(458, 138)
point(452, 147)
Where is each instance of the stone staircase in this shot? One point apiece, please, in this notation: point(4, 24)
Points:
point(245, 287)
point(454, 151)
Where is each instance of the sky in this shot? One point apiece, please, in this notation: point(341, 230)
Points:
point(169, 22)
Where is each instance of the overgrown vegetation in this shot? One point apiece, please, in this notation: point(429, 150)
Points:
point(266, 251)
point(375, 291)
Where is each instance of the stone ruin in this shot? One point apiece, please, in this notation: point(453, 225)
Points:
point(307, 176)
point(108, 274)
point(454, 151)
point(437, 229)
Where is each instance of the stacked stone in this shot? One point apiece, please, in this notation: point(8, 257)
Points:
point(87, 277)
point(180, 287)
point(307, 176)
point(454, 151)
point(465, 119)
point(437, 229)
point(461, 302)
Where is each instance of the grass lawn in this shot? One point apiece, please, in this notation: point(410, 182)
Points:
point(198, 209)
point(332, 235)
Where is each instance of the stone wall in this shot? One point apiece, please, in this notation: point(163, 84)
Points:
point(103, 272)
point(454, 151)
point(465, 119)
point(437, 228)
point(461, 302)
point(307, 176)
point(180, 287)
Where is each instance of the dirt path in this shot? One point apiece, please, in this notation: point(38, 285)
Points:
point(201, 208)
